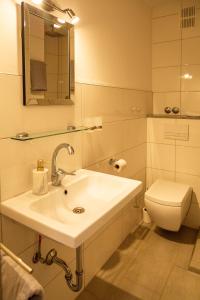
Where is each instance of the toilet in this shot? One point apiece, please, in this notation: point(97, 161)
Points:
point(167, 203)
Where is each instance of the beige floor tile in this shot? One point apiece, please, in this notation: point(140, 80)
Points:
point(115, 267)
point(186, 242)
point(154, 263)
point(182, 285)
point(142, 266)
point(137, 290)
point(182, 242)
point(86, 295)
point(119, 262)
point(150, 272)
point(134, 241)
point(98, 287)
point(103, 290)
point(195, 261)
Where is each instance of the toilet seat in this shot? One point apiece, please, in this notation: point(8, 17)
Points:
point(168, 193)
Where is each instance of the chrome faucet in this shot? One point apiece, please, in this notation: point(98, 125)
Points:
point(58, 174)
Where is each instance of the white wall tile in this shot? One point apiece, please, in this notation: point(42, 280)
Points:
point(36, 26)
point(15, 118)
point(52, 83)
point(154, 174)
point(166, 8)
point(103, 101)
point(190, 51)
point(52, 64)
point(21, 157)
point(166, 29)
point(51, 46)
point(194, 133)
point(114, 104)
point(98, 145)
point(44, 273)
point(36, 48)
point(16, 236)
point(161, 157)
point(166, 54)
point(140, 175)
point(187, 3)
point(190, 103)
point(58, 289)
point(193, 83)
point(188, 160)
point(45, 118)
point(194, 182)
point(11, 120)
point(166, 79)
point(162, 100)
point(134, 132)
point(156, 129)
point(136, 160)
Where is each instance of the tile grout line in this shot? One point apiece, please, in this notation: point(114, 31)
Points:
point(167, 279)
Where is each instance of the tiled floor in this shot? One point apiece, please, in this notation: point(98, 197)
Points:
point(151, 264)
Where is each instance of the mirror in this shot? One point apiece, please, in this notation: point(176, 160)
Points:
point(48, 58)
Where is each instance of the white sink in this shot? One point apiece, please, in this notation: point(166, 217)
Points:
point(100, 195)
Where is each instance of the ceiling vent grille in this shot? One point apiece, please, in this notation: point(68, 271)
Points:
point(188, 15)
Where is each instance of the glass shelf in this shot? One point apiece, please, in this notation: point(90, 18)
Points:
point(34, 136)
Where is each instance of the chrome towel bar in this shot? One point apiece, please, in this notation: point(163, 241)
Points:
point(18, 260)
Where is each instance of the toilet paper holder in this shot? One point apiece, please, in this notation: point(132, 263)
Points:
point(112, 162)
point(117, 164)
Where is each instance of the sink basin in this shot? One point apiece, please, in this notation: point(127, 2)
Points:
point(71, 213)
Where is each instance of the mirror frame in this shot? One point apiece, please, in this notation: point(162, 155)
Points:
point(27, 9)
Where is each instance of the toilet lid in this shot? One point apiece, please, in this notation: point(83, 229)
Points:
point(168, 192)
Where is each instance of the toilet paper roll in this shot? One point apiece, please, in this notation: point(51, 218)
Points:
point(146, 217)
point(119, 165)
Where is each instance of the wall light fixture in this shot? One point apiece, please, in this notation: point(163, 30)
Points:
point(50, 6)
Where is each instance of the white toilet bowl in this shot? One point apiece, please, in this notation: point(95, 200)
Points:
point(167, 203)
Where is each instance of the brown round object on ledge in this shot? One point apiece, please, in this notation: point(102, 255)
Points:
point(175, 110)
point(168, 110)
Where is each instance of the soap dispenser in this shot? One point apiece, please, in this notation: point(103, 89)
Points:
point(40, 179)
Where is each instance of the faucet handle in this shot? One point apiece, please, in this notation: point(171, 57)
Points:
point(63, 172)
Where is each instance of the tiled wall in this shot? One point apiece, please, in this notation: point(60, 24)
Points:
point(175, 160)
point(175, 58)
point(122, 98)
point(175, 82)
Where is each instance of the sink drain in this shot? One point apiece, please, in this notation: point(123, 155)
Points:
point(78, 210)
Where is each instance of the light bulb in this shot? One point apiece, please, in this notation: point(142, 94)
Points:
point(56, 26)
point(74, 20)
point(61, 21)
point(37, 1)
point(187, 76)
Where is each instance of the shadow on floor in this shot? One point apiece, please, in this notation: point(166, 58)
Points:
point(131, 242)
point(139, 234)
point(185, 235)
point(99, 289)
point(113, 261)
